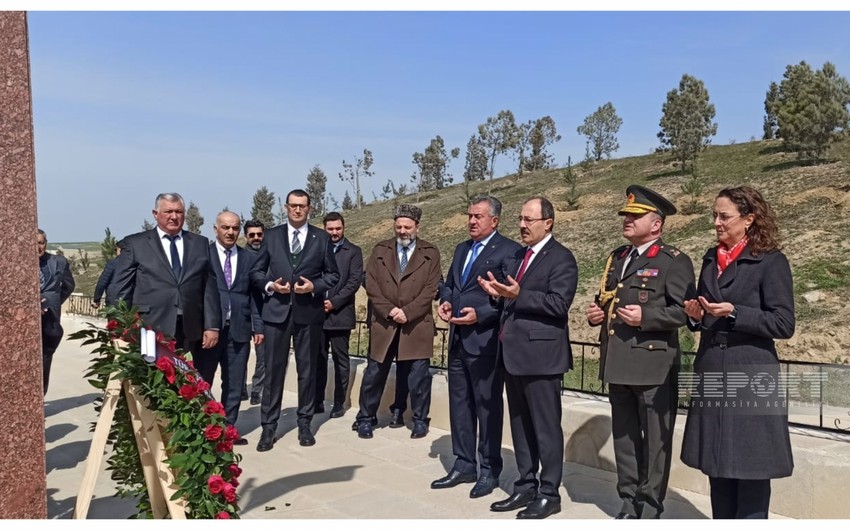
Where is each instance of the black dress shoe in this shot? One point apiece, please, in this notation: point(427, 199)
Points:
point(240, 441)
point(540, 509)
point(337, 411)
point(374, 423)
point(364, 429)
point(244, 394)
point(420, 429)
point(319, 408)
point(624, 515)
point(514, 502)
point(453, 479)
point(397, 420)
point(305, 437)
point(255, 399)
point(266, 439)
point(484, 486)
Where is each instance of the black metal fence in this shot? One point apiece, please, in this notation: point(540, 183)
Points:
point(818, 397)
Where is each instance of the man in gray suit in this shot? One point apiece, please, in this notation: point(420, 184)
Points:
point(641, 309)
point(167, 273)
point(340, 317)
point(535, 352)
point(475, 381)
point(240, 304)
point(294, 268)
point(56, 283)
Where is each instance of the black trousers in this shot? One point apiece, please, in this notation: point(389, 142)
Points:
point(534, 405)
point(375, 379)
point(733, 498)
point(337, 341)
point(475, 412)
point(642, 419)
point(259, 369)
point(233, 358)
point(307, 339)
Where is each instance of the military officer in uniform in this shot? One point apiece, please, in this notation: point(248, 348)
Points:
point(640, 307)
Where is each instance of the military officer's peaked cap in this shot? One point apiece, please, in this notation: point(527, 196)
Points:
point(643, 200)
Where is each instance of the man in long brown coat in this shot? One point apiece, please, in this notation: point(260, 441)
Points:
point(402, 277)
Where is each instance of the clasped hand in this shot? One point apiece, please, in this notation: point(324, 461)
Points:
point(495, 288)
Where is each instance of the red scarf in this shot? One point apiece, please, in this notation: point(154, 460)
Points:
point(725, 256)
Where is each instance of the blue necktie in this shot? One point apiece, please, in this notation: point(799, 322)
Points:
point(403, 263)
point(476, 248)
point(175, 256)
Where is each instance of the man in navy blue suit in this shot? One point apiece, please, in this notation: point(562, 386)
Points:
point(240, 315)
point(475, 383)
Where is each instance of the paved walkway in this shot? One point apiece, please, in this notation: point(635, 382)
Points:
point(341, 477)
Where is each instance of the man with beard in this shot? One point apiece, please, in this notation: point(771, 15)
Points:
point(254, 231)
point(402, 278)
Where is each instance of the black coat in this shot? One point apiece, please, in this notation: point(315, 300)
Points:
point(244, 301)
point(737, 426)
point(349, 261)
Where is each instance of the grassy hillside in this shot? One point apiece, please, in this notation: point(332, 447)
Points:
point(812, 202)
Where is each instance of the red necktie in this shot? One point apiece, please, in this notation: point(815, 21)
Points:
point(524, 265)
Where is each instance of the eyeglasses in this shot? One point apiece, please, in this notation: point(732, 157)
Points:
point(722, 217)
point(529, 220)
point(252, 236)
point(298, 206)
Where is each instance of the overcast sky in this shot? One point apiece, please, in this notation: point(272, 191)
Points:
point(215, 105)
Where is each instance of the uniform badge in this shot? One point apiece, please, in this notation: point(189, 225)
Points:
point(653, 251)
point(643, 296)
point(647, 273)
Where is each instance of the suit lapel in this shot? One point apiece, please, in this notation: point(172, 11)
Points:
point(157, 250)
point(216, 263)
point(415, 261)
point(481, 259)
point(537, 259)
point(457, 269)
point(188, 250)
point(710, 268)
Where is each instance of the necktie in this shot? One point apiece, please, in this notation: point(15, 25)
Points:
point(175, 256)
point(524, 265)
point(633, 255)
point(403, 263)
point(296, 244)
point(228, 268)
point(476, 248)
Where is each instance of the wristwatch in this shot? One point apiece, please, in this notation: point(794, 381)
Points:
point(733, 316)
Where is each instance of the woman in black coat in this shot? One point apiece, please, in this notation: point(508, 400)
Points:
point(737, 426)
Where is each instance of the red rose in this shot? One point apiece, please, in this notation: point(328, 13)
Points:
point(213, 432)
point(235, 470)
point(190, 378)
point(230, 433)
point(216, 484)
point(165, 365)
point(229, 492)
point(234, 482)
point(222, 515)
point(160, 336)
point(214, 407)
point(203, 386)
point(171, 346)
point(129, 336)
point(188, 392)
point(112, 324)
point(224, 447)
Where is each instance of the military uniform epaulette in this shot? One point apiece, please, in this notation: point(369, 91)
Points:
point(669, 250)
point(621, 252)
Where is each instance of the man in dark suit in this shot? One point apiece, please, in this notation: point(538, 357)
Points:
point(56, 283)
point(104, 282)
point(254, 231)
point(535, 352)
point(642, 307)
point(240, 315)
point(294, 268)
point(475, 382)
point(340, 318)
point(167, 273)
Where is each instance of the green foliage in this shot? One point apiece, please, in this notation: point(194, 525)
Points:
point(199, 444)
point(572, 195)
point(694, 189)
point(194, 219)
point(83, 259)
point(352, 172)
point(601, 130)
point(810, 109)
point(390, 191)
point(147, 225)
point(262, 208)
point(543, 134)
point(686, 121)
point(475, 167)
point(109, 246)
point(499, 134)
point(316, 186)
point(771, 122)
point(347, 202)
point(432, 166)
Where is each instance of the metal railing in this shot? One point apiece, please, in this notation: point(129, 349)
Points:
point(821, 400)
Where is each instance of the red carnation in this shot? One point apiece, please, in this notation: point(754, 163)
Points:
point(188, 392)
point(235, 470)
point(229, 493)
point(160, 336)
point(171, 346)
point(203, 386)
point(112, 324)
point(230, 433)
point(165, 365)
point(222, 515)
point(214, 407)
point(224, 447)
point(216, 484)
point(213, 432)
point(190, 378)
